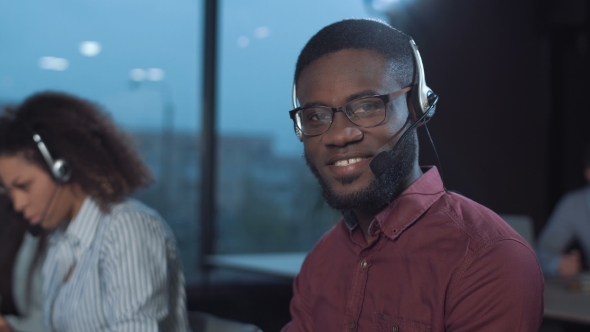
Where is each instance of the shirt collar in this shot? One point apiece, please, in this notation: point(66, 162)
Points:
point(350, 219)
point(407, 207)
point(81, 230)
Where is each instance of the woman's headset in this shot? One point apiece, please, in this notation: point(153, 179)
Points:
point(59, 168)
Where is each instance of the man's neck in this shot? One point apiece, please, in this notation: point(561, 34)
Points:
point(365, 218)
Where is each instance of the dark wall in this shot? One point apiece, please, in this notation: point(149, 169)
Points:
point(493, 65)
point(569, 28)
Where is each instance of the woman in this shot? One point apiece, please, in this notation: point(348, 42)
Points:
point(112, 263)
point(21, 257)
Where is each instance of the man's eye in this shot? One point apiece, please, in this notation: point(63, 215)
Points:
point(366, 107)
point(317, 116)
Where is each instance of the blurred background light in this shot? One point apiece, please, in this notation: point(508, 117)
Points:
point(262, 32)
point(243, 41)
point(53, 63)
point(155, 74)
point(137, 74)
point(383, 5)
point(90, 48)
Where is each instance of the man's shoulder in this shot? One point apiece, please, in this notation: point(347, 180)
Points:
point(481, 224)
point(490, 240)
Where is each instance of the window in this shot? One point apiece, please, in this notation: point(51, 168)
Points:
point(141, 61)
point(268, 200)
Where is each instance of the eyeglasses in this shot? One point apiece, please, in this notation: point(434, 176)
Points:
point(364, 112)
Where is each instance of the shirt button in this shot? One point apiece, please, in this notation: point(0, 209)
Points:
point(351, 326)
point(363, 264)
point(395, 328)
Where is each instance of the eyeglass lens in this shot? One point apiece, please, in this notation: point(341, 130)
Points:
point(364, 112)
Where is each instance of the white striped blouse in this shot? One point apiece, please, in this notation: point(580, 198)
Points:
point(117, 271)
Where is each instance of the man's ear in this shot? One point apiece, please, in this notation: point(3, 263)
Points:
point(411, 112)
point(587, 174)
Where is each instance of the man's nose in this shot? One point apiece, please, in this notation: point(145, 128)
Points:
point(342, 131)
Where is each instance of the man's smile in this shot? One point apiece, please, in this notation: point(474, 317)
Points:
point(348, 166)
point(346, 162)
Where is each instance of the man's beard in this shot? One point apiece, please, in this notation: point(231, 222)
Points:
point(382, 190)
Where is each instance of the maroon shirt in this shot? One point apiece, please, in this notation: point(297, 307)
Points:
point(439, 262)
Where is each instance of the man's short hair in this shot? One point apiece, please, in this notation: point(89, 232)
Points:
point(368, 34)
point(587, 156)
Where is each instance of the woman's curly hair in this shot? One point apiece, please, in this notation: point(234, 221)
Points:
point(101, 157)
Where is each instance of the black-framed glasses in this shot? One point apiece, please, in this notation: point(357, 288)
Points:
point(369, 111)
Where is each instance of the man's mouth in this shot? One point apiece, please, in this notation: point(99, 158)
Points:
point(346, 162)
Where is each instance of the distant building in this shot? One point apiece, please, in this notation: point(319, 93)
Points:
point(265, 202)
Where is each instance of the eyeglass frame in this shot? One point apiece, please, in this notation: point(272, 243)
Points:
point(385, 98)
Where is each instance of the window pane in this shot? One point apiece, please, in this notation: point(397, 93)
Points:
point(141, 61)
point(267, 198)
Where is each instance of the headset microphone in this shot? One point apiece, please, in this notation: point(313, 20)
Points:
point(383, 161)
point(423, 101)
point(35, 230)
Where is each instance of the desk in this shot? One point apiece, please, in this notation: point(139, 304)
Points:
point(275, 264)
point(563, 304)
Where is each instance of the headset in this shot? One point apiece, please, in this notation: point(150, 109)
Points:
point(60, 170)
point(422, 98)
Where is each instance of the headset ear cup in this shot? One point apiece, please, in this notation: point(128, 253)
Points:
point(432, 101)
point(417, 112)
point(61, 171)
point(423, 99)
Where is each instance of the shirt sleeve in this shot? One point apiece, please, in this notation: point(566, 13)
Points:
point(135, 273)
point(31, 323)
point(497, 289)
point(30, 305)
point(557, 234)
point(300, 308)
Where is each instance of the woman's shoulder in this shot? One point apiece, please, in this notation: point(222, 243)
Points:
point(132, 218)
point(132, 206)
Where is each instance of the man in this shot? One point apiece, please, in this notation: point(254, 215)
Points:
point(407, 255)
point(569, 220)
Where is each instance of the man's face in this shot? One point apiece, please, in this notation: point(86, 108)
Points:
point(340, 157)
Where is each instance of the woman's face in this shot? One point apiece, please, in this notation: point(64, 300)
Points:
point(36, 195)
